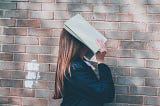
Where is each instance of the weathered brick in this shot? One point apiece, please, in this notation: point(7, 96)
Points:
point(154, 27)
point(145, 54)
point(8, 6)
point(5, 100)
point(52, 67)
point(51, 24)
point(25, 57)
point(47, 59)
point(41, 1)
point(40, 32)
point(61, 15)
point(152, 82)
point(95, 1)
point(22, 92)
point(153, 18)
point(55, 102)
point(6, 56)
point(51, 85)
point(152, 101)
point(14, 0)
point(41, 15)
point(153, 45)
point(133, 26)
point(43, 94)
point(38, 49)
point(110, 61)
point(22, 5)
point(53, 7)
point(129, 99)
point(5, 74)
point(42, 85)
point(49, 41)
point(153, 2)
point(47, 76)
point(14, 101)
point(112, 44)
point(33, 66)
point(138, 72)
point(133, 9)
point(27, 5)
point(28, 23)
point(153, 63)
point(13, 48)
point(26, 40)
point(127, 2)
point(106, 9)
point(121, 89)
point(4, 92)
point(118, 35)
point(6, 39)
point(11, 83)
point(15, 31)
point(68, 1)
point(105, 25)
point(20, 14)
point(146, 36)
point(133, 45)
point(34, 102)
point(158, 91)
point(7, 22)
point(35, 6)
point(24, 75)
point(79, 7)
point(149, 91)
point(120, 17)
point(130, 81)
point(123, 53)
point(54, 50)
point(153, 9)
point(11, 66)
point(119, 71)
point(128, 62)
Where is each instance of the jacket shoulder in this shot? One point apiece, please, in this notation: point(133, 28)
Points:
point(77, 64)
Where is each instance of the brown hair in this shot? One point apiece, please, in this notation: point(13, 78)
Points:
point(69, 47)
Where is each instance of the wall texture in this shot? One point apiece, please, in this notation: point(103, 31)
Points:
point(29, 35)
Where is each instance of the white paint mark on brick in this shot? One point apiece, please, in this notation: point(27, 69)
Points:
point(34, 76)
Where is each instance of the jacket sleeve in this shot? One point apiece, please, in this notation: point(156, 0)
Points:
point(85, 81)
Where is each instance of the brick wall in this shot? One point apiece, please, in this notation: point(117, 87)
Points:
point(29, 35)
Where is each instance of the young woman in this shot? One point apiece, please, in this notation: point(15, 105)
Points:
point(76, 81)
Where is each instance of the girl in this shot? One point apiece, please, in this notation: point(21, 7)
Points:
point(76, 81)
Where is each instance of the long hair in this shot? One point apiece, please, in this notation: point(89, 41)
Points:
point(69, 47)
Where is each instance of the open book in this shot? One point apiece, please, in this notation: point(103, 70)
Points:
point(84, 32)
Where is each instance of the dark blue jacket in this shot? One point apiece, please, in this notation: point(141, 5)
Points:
point(83, 88)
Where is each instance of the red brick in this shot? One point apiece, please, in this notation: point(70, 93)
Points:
point(13, 48)
point(35, 102)
point(28, 23)
point(47, 59)
point(6, 56)
point(5, 74)
point(7, 22)
point(40, 32)
point(6, 39)
point(49, 41)
point(4, 91)
point(25, 57)
point(15, 31)
point(22, 92)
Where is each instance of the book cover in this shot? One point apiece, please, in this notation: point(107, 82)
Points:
point(84, 32)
